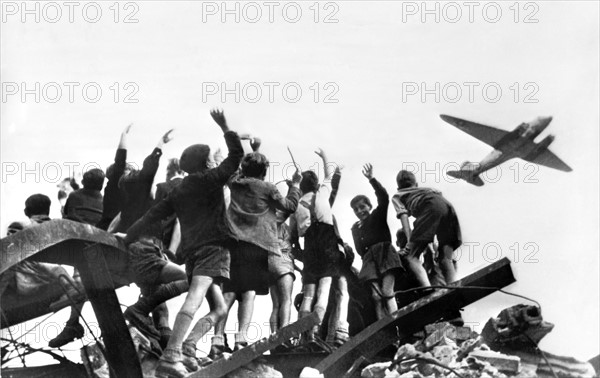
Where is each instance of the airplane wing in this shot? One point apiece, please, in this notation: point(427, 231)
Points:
point(484, 133)
point(548, 159)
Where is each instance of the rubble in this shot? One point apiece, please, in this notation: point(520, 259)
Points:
point(507, 347)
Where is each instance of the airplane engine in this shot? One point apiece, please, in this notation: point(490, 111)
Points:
point(540, 147)
point(545, 142)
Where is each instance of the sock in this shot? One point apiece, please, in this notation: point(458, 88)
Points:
point(162, 294)
point(218, 340)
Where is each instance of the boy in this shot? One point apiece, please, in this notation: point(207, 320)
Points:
point(206, 236)
point(85, 205)
point(435, 216)
point(322, 258)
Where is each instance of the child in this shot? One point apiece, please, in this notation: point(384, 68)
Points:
point(206, 236)
point(111, 203)
point(282, 276)
point(435, 216)
point(373, 242)
point(322, 258)
point(85, 205)
point(252, 215)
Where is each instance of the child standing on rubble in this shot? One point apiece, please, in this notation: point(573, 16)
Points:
point(435, 216)
point(322, 258)
point(373, 242)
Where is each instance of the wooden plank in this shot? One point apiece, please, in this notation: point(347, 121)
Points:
point(416, 315)
point(99, 287)
point(248, 354)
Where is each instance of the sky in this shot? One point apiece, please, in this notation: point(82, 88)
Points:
point(365, 81)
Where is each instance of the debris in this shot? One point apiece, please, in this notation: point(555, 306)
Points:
point(255, 369)
point(309, 372)
point(377, 370)
point(502, 362)
point(516, 326)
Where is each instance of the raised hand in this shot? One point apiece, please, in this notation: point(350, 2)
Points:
point(219, 116)
point(297, 177)
point(320, 153)
point(255, 144)
point(167, 137)
point(127, 129)
point(368, 171)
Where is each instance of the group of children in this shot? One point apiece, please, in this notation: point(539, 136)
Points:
point(237, 250)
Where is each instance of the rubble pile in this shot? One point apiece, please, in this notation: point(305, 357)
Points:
point(506, 347)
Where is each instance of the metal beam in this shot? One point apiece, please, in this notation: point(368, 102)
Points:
point(415, 316)
point(248, 354)
point(120, 351)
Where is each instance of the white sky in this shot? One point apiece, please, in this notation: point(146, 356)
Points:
point(372, 57)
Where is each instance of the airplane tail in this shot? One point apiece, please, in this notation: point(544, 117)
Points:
point(467, 173)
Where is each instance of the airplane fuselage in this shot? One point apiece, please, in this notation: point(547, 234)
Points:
point(516, 144)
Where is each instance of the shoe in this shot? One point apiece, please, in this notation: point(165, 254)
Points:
point(239, 345)
point(68, 334)
point(170, 369)
point(216, 352)
point(189, 357)
point(141, 321)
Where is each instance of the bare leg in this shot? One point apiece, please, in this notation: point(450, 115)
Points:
point(245, 311)
point(205, 323)
point(447, 265)
point(387, 288)
point(285, 285)
point(273, 319)
point(377, 299)
point(307, 300)
point(321, 301)
point(193, 300)
point(338, 320)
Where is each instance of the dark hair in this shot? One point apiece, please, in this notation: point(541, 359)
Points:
point(14, 227)
point(93, 179)
point(255, 165)
point(37, 204)
point(310, 182)
point(173, 168)
point(360, 198)
point(194, 158)
point(405, 179)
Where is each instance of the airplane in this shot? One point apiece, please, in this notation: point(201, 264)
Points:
point(507, 145)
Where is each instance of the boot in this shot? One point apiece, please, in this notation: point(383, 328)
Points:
point(170, 369)
point(189, 357)
point(68, 334)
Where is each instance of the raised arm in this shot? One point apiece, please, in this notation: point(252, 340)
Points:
point(152, 161)
point(289, 204)
point(335, 184)
point(383, 198)
point(123, 140)
point(321, 153)
point(234, 157)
